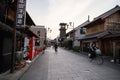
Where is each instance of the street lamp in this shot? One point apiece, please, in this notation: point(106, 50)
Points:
point(71, 24)
point(48, 30)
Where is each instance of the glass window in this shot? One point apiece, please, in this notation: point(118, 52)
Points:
point(83, 31)
point(37, 42)
point(38, 33)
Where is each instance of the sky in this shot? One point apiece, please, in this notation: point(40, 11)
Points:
point(51, 13)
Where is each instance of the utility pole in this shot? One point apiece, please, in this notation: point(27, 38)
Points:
point(72, 25)
point(13, 51)
point(13, 47)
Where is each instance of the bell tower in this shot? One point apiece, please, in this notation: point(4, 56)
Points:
point(62, 30)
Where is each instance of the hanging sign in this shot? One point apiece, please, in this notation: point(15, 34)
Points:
point(21, 14)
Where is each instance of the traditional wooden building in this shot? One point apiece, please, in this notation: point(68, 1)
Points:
point(104, 31)
point(7, 24)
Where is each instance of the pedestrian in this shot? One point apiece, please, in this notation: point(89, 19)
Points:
point(55, 46)
point(92, 50)
point(44, 47)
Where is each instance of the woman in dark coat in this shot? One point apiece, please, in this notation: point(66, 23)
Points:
point(92, 50)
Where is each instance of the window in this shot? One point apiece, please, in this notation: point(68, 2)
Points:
point(38, 32)
point(37, 42)
point(83, 30)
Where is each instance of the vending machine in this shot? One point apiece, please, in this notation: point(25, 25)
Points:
point(31, 54)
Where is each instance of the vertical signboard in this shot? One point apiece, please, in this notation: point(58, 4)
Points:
point(21, 14)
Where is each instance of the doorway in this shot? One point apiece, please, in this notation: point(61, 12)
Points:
point(116, 51)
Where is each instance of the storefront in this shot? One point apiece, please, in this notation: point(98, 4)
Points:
point(109, 43)
point(29, 44)
point(94, 38)
point(112, 46)
point(5, 47)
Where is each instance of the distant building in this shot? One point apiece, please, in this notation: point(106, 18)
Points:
point(41, 32)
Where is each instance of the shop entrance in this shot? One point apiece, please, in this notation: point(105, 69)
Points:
point(5, 51)
point(116, 51)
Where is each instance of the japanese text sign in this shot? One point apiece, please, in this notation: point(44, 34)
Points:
point(21, 13)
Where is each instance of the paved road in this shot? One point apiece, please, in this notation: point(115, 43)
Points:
point(68, 65)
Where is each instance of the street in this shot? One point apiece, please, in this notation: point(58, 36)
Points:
point(69, 65)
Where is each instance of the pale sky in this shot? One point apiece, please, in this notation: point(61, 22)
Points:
point(52, 12)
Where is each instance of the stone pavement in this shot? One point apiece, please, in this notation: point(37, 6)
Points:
point(68, 65)
point(65, 65)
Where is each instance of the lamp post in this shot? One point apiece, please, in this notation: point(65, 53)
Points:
point(71, 24)
point(48, 30)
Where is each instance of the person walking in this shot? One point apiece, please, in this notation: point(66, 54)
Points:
point(44, 47)
point(56, 47)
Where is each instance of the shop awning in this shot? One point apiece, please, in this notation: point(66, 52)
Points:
point(7, 28)
point(96, 35)
point(113, 35)
point(28, 32)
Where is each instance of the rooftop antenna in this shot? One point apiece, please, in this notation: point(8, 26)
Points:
point(88, 18)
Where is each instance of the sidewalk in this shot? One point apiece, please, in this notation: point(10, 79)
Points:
point(17, 73)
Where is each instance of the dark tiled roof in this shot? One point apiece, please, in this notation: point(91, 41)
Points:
point(108, 13)
point(29, 20)
point(113, 35)
point(7, 28)
point(91, 36)
point(83, 24)
point(96, 35)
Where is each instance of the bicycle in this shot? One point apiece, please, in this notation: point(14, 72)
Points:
point(97, 59)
